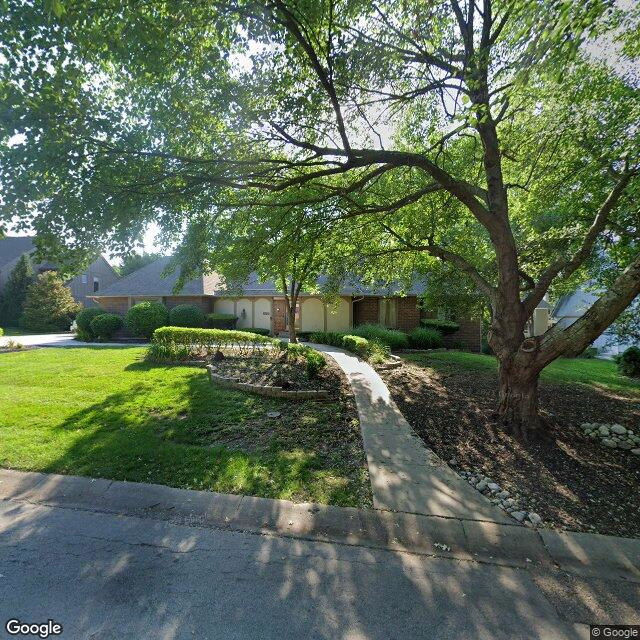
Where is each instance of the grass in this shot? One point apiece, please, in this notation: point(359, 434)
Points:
point(104, 412)
point(601, 374)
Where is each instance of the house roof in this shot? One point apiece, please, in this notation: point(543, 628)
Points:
point(12, 247)
point(149, 281)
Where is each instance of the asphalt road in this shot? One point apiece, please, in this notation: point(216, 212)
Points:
point(106, 576)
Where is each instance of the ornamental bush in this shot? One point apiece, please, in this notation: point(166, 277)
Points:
point(209, 340)
point(391, 337)
point(356, 344)
point(186, 315)
point(144, 318)
point(260, 332)
point(105, 325)
point(49, 305)
point(314, 360)
point(629, 362)
point(221, 321)
point(445, 327)
point(1, 332)
point(426, 339)
point(334, 338)
point(84, 319)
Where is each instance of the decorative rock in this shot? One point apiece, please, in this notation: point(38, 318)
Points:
point(453, 462)
point(273, 414)
point(519, 515)
point(608, 442)
point(618, 428)
point(603, 430)
point(492, 486)
point(636, 452)
point(503, 495)
point(482, 485)
point(535, 519)
point(625, 445)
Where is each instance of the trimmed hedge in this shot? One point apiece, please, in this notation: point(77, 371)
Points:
point(221, 321)
point(445, 327)
point(186, 315)
point(105, 325)
point(334, 338)
point(426, 339)
point(629, 362)
point(144, 318)
point(393, 338)
point(260, 332)
point(209, 338)
point(357, 344)
point(84, 319)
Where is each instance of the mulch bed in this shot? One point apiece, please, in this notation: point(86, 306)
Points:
point(567, 479)
point(273, 371)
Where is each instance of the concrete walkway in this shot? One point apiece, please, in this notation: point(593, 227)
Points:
point(405, 475)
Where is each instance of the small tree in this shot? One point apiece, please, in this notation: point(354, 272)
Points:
point(49, 305)
point(15, 291)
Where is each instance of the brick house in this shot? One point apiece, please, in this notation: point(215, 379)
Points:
point(262, 305)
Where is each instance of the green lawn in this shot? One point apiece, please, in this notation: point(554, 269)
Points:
point(104, 412)
point(602, 374)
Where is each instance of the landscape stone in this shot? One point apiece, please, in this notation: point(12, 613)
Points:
point(604, 430)
point(636, 452)
point(519, 515)
point(494, 487)
point(482, 485)
point(618, 428)
point(535, 519)
point(608, 442)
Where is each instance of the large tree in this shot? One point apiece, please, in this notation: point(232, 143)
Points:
point(494, 111)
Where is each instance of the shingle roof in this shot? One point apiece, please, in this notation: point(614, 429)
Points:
point(13, 247)
point(149, 281)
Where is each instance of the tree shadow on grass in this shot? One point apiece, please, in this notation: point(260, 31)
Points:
point(194, 437)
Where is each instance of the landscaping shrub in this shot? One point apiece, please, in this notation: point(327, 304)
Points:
point(186, 315)
point(209, 340)
point(260, 332)
point(1, 332)
point(221, 321)
point(422, 338)
point(589, 353)
point(49, 305)
point(83, 322)
point(144, 318)
point(314, 360)
point(377, 352)
point(167, 353)
point(334, 338)
point(629, 362)
point(445, 327)
point(356, 344)
point(391, 337)
point(105, 325)
point(459, 344)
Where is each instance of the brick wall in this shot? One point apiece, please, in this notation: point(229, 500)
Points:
point(204, 303)
point(470, 333)
point(365, 311)
point(408, 313)
point(115, 305)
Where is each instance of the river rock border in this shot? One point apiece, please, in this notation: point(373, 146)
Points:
point(613, 436)
point(501, 498)
point(265, 390)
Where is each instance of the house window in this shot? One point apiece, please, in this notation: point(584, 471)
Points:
point(96, 285)
point(84, 278)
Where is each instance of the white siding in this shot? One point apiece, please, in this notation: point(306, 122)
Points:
point(338, 316)
point(243, 311)
point(262, 313)
point(312, 315)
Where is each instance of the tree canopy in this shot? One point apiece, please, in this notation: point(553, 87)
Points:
point(492, 135)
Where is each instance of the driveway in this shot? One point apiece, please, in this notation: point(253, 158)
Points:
point(55, 340)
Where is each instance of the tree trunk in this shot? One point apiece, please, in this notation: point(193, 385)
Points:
point(518, 399)
point(291, 310)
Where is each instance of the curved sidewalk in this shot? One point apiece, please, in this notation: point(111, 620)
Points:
point(405, 475)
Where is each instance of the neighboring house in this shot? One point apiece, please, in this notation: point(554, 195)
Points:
point(262, 305)
point(97, 276)
point(574, 305)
